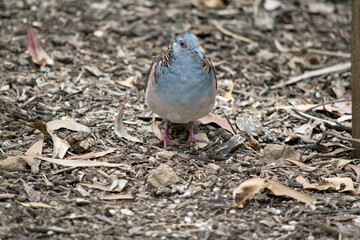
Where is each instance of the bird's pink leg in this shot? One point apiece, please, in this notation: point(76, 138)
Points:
point(191, 137)
point(166, 139)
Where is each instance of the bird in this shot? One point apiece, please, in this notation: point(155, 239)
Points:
point(181, 86)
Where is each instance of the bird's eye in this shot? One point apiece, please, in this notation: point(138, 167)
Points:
point(182, 44)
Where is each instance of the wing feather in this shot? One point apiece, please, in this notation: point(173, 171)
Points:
point(209, 68)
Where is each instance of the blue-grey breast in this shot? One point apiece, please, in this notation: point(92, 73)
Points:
point(182, 85)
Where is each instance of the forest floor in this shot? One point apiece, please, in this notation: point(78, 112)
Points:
point(283, 70)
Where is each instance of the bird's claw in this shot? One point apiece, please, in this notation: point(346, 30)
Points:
point(166, 140)
point(192, 140)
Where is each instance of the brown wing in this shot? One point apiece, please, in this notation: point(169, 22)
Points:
point(208, 67)
point(164, 59)
point(159, 60)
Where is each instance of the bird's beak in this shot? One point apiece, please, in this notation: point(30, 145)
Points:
point(197, 52)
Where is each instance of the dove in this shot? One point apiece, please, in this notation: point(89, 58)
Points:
point(181, 86)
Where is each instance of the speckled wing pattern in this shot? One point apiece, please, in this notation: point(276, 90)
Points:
point(208, 67)
point(159, 60)
point(164, 60)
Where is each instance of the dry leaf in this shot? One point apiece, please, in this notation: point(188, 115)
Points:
point(343, 162)
point(213, 118)
point(345, 184)
point(129, 82)
point(228, 95)
point(37, 205)
point(300, 164)
point(305, 183)
point(155, 129)
point(118, 197)
point(39, 56)
point(337, 183)
point(201, 136)
point(280, 190)
point(39, 125)
point(84, 163)
point(61, 146)
point(92, 154)
point(249, 188)
point(35, 149)
point(356, 169)
point(68, 124)
point(15, 163)
point(119, 128)
point(324, 186)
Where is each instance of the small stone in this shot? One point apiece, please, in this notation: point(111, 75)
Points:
point(135, 230)
point(127, 212)
point(232, 211)
point(288, 227)
point(278, 153)
point(164, 175)
point(214, 166)
point(82, 191)
point(112, 212)
point(81, 201)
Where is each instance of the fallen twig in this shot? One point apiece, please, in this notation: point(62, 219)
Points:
point(281, 48)
point(344, 138)
point(335, 68)
point(328, 123)
point(327, 103)
point(231, 34)
point(228, 120)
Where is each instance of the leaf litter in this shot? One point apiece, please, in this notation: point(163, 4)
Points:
point(39, 56)
point(247, 190)
point(103, 61)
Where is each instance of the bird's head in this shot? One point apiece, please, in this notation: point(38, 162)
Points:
point(186, 44)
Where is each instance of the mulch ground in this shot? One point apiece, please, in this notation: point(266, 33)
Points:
point(283, 70)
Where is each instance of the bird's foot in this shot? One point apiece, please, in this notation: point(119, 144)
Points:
point(192, 140)
point(166, 140)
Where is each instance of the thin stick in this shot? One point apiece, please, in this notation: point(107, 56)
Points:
point(335, 68)
point(228, 120)
point(327, 103)
point(329, 53)
point(231, 34)
point(353, 140)
point(283, 49)
point(332, 124)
